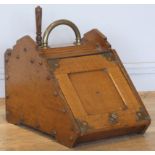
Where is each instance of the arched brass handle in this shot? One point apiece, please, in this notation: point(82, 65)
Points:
point(57, 23)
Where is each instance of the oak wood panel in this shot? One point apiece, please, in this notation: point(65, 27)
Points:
point(13, 137)
point(38, 107)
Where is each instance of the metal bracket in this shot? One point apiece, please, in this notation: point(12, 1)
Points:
point(109, 56)
point(53, 63)
point(83, 126)
point(113, 118)
point(142, 115)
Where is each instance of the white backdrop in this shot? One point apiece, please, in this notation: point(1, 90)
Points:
point(129, 28)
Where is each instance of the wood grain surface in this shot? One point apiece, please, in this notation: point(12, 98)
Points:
point(14, 137)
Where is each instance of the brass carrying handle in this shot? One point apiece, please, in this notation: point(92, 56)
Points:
point(57, 23)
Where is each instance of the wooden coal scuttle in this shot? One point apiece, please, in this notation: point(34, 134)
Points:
point(75, 94)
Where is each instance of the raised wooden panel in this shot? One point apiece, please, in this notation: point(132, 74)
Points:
point(94, 88)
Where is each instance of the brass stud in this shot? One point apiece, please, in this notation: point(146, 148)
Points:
point(17, 57)
point(7, 97)
point(105, 38)
point(6, 60)
point(97, 45)
point(56, 65)
point(64, 110)
point(48, 77)
point(7, 112)
point(105, 70)
point(9, 53)
point(109, 45)
point(37, 126)
point(32, 61)
point(85, 123)
point(77, 131)
point(25, 49)
point(21, 121)
point(53, 133)
point(55, 93)
point(7, 77)
point(71, 138)
point(52, 76)
point(97, 92)
point(40, 63)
